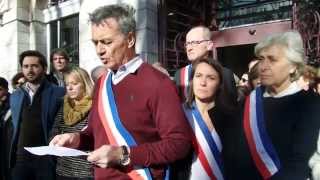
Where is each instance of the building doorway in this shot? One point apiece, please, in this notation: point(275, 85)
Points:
point(236, 57)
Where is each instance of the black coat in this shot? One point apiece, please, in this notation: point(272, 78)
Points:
point(292, 123)
point(180, 170)
point(5, 129)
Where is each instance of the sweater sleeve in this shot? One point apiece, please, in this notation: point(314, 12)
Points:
point(304, 142)
point(172, 127)
point(86, 136)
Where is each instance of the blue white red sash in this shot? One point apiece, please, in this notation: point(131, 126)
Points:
point(117, 134)
point(260, 145)
point(207, 162)
point(185, 75)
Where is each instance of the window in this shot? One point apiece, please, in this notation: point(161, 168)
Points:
point(64, 33)
point(240, 12)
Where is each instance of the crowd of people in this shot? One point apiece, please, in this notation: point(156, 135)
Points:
point(136, 122)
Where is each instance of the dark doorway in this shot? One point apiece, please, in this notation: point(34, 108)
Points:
point(236, 58)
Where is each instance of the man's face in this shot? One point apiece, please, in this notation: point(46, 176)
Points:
point(59, 62)
point(197, 46)
point(32, 69)
point(111, 44)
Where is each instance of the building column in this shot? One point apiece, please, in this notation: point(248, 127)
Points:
point(22, 29)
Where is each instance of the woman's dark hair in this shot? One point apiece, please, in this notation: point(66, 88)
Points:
point(216, 66)
point(314, 84)
point(42, 59)
point(222, 99)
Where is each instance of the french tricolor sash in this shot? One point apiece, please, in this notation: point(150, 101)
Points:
point(184, 78)
point(260, 145)
point(117, 134)
point(207, 162)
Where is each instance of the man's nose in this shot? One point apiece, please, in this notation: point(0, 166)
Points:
point(29, 69)
point(100, 48)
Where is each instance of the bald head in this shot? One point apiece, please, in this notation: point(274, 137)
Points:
point(198, 43)
point(202, 31)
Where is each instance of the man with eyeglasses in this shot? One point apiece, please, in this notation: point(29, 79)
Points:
point(198, 46)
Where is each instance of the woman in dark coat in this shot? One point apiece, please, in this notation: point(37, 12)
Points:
point(206, 98)
point(278, 132)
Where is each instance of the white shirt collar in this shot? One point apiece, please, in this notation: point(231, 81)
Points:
point(31, 89)
point(124, 70)
point(291, 89)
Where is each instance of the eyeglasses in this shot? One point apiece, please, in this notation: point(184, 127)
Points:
point(192, 43)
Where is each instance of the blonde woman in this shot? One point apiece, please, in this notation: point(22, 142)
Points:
point(72, 117)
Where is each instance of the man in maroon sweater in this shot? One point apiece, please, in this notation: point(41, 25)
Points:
point(145, 100)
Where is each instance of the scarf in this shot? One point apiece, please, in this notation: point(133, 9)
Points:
point(72, 114)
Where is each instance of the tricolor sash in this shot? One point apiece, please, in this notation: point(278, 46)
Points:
point(260, 145)
point(207, 162)
point(185, 75)
point(117, 134)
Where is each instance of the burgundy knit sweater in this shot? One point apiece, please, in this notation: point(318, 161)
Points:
point(149, 108)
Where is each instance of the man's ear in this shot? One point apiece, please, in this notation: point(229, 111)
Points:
point(210, 45)
point(131, 39)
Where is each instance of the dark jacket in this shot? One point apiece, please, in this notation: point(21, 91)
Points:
point(51, 99)
point(180, 170)
point(4, 137)
point(292, 123)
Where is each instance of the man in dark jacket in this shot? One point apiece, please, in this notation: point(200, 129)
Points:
point(34, 107)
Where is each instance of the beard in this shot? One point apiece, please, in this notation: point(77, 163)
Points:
point(34, 79)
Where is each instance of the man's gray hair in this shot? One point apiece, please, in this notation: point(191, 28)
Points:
point(123, 13)
point(292, 41)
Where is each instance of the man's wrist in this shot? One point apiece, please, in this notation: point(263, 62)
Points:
point(124, 156)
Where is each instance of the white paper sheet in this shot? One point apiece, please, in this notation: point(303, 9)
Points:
point(55, 150)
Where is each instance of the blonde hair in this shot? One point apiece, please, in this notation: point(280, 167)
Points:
point(83, 77)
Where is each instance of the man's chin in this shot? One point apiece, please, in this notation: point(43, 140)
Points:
point(34, 81)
